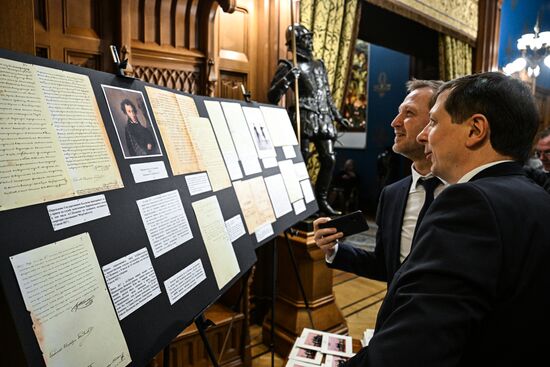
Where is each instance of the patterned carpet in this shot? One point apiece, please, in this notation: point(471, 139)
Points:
point(365, 240)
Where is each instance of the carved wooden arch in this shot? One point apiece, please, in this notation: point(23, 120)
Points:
point(206, 16)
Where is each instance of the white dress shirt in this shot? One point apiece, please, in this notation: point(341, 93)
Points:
point(415, 200)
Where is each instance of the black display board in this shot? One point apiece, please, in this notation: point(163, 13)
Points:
point(150, 328)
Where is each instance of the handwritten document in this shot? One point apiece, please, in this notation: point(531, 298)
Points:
point(241, 137)
point(183, 281)
point(73, 212)
point(54, 143)
point(174, 131)
point(165, 221)
point(212, 159)
point(224, 139)
point(73, 317)
point(279, 126)
point(132, 282)
point(254, 202)
point(216, 239)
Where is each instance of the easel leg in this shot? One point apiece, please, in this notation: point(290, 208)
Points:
point(300, 284)
point(273, 298)
point(202, 324)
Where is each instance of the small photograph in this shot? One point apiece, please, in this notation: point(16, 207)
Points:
point(339, 345)
point(132, 122)
point(305, 355)
point(311, 339)
point(334, 361)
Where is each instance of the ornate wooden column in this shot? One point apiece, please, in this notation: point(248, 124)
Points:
point(291, 315)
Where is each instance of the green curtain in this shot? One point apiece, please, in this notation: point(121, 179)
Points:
point(455, 58)
point(331, 22)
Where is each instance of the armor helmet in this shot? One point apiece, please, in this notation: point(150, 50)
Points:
point(304, 44)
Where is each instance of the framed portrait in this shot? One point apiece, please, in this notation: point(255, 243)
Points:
point(132, 122)
point(355, 105)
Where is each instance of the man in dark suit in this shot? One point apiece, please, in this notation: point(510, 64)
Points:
point(541, 175)
point(475, 288)
point(399, 204)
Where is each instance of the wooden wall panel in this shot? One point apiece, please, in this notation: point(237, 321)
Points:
point(17, 26)
point(75, 31)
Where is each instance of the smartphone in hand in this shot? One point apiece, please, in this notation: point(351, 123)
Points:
point(348, 224)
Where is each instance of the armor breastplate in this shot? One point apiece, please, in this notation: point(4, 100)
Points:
point(313, 87)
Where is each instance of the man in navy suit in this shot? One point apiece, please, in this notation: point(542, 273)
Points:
point(399, 203)
point(475, 289)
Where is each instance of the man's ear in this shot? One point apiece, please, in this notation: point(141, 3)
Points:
point(478, 130)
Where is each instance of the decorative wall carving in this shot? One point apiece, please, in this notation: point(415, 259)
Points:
point(185, 81)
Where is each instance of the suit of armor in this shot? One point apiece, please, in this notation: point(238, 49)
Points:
point(317, 109)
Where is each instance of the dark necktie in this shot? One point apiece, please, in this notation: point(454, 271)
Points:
point(429, 186)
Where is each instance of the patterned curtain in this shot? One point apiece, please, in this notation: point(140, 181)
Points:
point(331, 22)
point(455, 58)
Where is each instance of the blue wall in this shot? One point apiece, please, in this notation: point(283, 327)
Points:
point(519, 17)
point(381, 111)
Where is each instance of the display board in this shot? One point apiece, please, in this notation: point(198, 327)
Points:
point(126, 209)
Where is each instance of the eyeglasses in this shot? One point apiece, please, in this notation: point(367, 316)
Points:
point(545, 153)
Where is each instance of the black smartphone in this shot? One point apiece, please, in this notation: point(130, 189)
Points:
point(349, 224)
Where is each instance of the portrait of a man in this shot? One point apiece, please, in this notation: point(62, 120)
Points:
point(132, 122)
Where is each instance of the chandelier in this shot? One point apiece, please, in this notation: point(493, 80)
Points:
point(535, 50)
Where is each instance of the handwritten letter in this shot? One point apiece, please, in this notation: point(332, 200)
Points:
point(64, 291)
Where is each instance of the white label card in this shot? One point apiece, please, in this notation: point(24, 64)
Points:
point(198, 183)
point(132, 282)
point(263, 232)
point(71, 213)
point(183, 281)
point(149, 171)
point(235, 227)
point(289, 151)
point(299, 206)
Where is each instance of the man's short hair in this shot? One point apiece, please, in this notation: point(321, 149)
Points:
point(127, 102)
point(415, 84)
point(506, 102)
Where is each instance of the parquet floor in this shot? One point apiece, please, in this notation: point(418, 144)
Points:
point(358, 298)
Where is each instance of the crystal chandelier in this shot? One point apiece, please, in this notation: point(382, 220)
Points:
point(535, 50)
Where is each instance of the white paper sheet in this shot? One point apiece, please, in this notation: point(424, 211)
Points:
point(309, 196)
point(198, 183)
point(216, 239)
point(71, 213)
point(224, 139)
point(210, 154)
point(73, 318)
point(279, 126)
point(263, 232)
point(165, 221)
point(278, 195)
point(184, 281)
point(301, 171)
point(289, 151)
point(291, 181)
point(235, 227)
point(132, 282)
point(149, 171)
point(299, 206)
point(241, 137)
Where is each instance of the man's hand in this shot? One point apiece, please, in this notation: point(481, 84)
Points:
point(292, 74)
point(325, 238)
